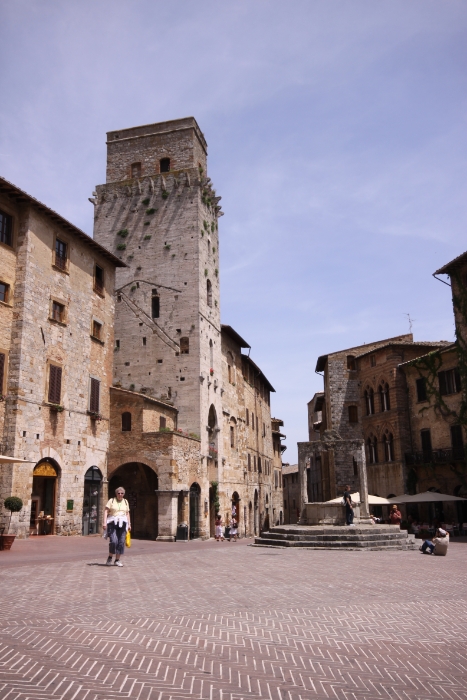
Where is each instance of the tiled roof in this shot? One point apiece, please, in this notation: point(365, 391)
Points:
point(289, 469)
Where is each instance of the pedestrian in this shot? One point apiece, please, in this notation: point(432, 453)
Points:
point(233, 530)
point(348, 507)
point(395, 516)
point(439, 546)
point(117, 523)
point(219, 528)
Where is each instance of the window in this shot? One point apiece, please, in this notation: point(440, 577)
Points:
point(58, 312)
point(126, 421)
point(254, 463)
point(355, 466)
point(2, 371)
point(253, 421)
point(264, 430)
point(425, 438)
point(6, 228)
point(372, 444)
point(119, 298)
point(4, 292)
point(421, 389)
point(259, 465)
point(372, 360)
point(136, 170)
point(276, 480)
point(184, 346)
point(164, 165)
point(351, 363)
point(94, 395)
point(162, 422)
point(144, 340)
point(249, 462)
point(369, 401)
point(457, 440)
point(155, 305)
point(117, 344)
point(353, 414)
point(384, 397)
point(98, 280)
point(449, 382)
point(97, 330)
point(247, 417)
point(209, 292)
point(55, 384)
point(388, 447)
point(60, 254)
point(232, 436)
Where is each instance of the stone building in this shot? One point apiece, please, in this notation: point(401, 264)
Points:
point(362, 415)
point(291, 491)
point(158, 212)
point(278, 448)
point(56, 355)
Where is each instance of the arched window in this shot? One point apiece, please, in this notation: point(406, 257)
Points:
point(136, 170)
point(384, 396)
point(184, 346)
point(372, 444)
point(369, 401)
point(155, 304)
point(209, 292)
point(353, 414)
point(126, 421)
point(388, 443)
point(212, 418)
point(164, 165)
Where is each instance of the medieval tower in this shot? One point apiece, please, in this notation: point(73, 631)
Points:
point(159, 213)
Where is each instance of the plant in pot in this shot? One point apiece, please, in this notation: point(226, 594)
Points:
point(14, 505)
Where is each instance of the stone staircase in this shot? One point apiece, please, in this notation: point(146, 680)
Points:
point(367, 537)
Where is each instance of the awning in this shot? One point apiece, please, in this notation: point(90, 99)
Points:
point(372, 500)
point(12, 460)
point(426, 497)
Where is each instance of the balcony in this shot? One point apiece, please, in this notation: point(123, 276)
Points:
point(443, 456)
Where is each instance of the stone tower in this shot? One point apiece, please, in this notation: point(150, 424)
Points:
point(159, 213)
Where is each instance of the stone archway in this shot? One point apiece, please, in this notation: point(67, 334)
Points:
point(195, 511)
point(141, 485)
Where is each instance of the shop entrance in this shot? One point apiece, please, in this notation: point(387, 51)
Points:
point(91, 501)
point(141, 484)
point(43, 497)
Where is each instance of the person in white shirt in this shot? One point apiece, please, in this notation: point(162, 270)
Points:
point(116, 523)
point(439, 546)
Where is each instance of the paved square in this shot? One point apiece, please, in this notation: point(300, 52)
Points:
point(224, 621)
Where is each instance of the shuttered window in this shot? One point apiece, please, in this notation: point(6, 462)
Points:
point(2, 370)
point(94, 395)
point(126, 421)
point(55, 384)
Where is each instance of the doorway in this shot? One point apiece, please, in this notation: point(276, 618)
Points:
point(195, 500)
point(141, 485)
point(92, 501)
point(43, 497)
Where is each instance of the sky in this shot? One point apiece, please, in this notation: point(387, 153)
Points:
point(337, 140)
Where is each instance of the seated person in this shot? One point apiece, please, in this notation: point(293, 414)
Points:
point(439, 546)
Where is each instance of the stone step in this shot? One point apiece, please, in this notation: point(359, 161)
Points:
point(304, 545)
point(381, 537)
point(337, 544)
point(334, 538)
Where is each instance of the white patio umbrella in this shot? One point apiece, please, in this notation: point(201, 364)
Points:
point(372, 500)
point(425, 497)
point(10, 460)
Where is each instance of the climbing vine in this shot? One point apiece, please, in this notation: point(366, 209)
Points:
point(214, 496)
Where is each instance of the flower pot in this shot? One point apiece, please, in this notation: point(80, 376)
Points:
point(7, 541)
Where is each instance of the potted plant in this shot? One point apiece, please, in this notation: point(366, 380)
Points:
point(14, 505)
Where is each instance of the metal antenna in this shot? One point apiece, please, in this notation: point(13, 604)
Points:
point(410, 320)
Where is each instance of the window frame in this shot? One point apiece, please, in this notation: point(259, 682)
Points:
point(3, 371)
point(49, 379)
point(62, 321)
point(100, 337)
point(185, 342)
point(97, 286)
point(165, 159)
point(449, 379)
point(353, 411)
point(139, 165)
point(8, 295)
point(66, 265)
point(92, 407)
point(421, 382)
point(155, 301)
point(126, 423)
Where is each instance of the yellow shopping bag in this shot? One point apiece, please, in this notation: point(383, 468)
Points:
point(128, 539)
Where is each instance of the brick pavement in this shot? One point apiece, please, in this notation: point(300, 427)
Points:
point(226, 622)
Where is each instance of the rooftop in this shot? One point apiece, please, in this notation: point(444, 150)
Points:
point(228, 330)
point(289, 469)
point(457, 262)
point(20, 196)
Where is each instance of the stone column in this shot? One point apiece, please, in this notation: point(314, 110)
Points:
point(361, 464)
point(168, 515)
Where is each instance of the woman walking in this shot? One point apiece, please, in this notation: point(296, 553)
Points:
point(117, 523)
point(219, 528)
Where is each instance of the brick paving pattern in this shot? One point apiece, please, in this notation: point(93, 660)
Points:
point(225, 622)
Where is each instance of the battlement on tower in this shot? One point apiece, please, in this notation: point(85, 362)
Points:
point(152, 149)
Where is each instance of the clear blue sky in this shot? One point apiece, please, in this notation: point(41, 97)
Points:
point(337, 139)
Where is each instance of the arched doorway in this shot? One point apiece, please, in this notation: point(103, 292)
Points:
point(92, 501)
point(44, 497)
point(195, 510)
point(141, 484)
point(256, 514)
point(251, 525)
point(236, 509)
